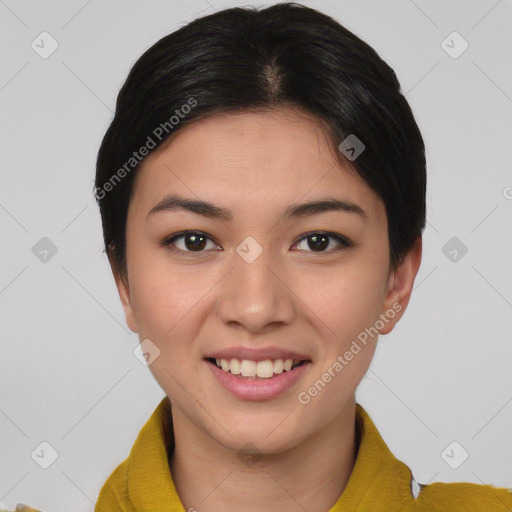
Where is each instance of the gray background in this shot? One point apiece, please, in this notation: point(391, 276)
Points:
point(68, 373)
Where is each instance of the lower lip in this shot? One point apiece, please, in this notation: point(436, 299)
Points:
point(258, 389)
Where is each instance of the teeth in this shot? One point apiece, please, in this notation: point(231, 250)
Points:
point(234, 366)
point(278, 366)
point(248, 368)
point(263, 369)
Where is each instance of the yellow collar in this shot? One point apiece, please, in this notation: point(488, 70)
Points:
point(150, 485)
point(378, 482)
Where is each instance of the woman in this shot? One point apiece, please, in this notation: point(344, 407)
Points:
point(262, 194)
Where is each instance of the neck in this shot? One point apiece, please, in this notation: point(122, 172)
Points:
point(310, 476)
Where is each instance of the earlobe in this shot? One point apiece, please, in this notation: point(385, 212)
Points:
point(123, 289)
point(400, 286)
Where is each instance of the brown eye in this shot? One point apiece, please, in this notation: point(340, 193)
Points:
point(194, 242)
point(319, 242)
point(188, 242)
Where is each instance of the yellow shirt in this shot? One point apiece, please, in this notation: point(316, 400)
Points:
point(378, 482)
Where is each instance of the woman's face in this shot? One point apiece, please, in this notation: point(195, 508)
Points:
point(259, 282)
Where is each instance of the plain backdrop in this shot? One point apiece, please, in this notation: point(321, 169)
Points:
point(69, 377)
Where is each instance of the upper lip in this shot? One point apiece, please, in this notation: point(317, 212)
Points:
point(256, 354)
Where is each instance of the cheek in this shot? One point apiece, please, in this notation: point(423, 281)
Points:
point(345, 299)
point(163, 296)
point(344, 303)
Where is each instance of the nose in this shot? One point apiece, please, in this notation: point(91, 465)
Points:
point(256, 295)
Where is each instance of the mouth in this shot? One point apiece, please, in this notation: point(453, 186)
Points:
point(261, 373)
point(266, 379)
point(256, 370)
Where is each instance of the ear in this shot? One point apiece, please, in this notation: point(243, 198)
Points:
point(400, 285)
point(123, 288)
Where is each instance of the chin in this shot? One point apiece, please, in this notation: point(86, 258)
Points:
point(273, 437)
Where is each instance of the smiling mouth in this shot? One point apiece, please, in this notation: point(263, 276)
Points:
point(256, 370)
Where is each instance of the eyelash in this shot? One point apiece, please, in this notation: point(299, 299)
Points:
point(345, 243)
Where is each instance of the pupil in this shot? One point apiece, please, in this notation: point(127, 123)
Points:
point(198, 242)
point(318, 242)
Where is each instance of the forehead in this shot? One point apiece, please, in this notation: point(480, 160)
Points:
point(280, 155)
point(272, 128)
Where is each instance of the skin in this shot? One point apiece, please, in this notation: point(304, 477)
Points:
point(291, 296)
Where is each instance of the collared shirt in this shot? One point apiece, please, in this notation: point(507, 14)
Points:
point(378, 483)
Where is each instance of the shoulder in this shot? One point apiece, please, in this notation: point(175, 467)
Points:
point(463, 497)
point(114, 493)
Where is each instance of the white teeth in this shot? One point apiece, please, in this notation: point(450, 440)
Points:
point(263, 369)
point(278, 366)
point(248, 368)
point(234, 366)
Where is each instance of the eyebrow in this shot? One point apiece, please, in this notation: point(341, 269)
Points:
point(173, 203)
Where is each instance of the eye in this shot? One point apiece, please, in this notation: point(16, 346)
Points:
point(196, 242)
point(191, 242)
point(319, 241)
